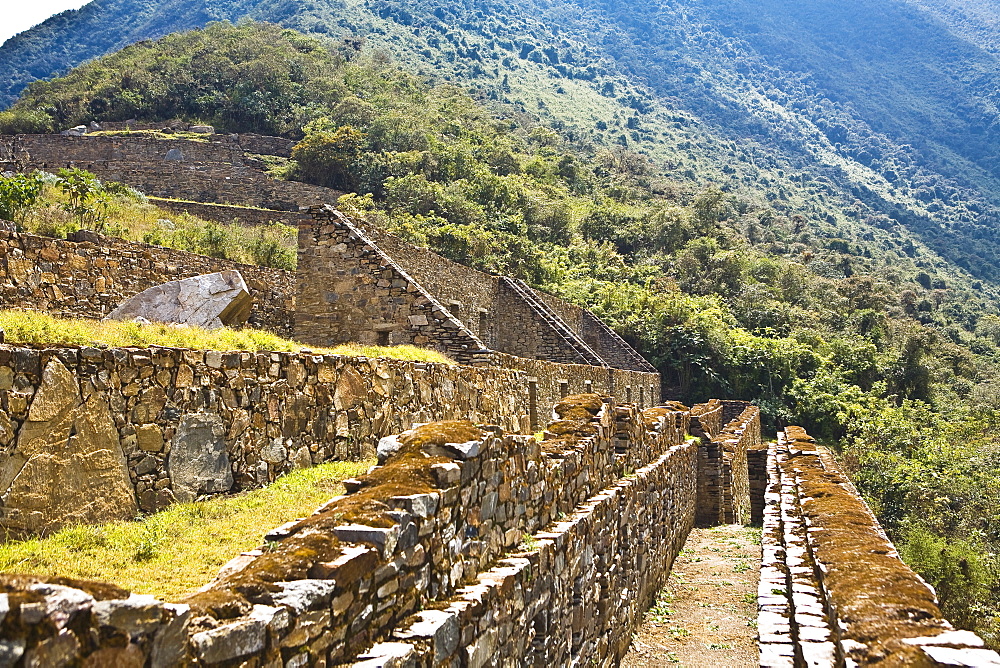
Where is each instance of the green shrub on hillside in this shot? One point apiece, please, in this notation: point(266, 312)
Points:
point(25, 121)
point(18, 194)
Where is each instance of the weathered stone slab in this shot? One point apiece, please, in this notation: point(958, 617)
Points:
point(198, 462)
point(210, 300)
point(67, 466)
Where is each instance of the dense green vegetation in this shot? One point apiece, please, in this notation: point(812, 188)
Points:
point(757, 232)
point(57, 204)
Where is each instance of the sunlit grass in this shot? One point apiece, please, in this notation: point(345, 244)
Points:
point(176, 551)
point(136, 219)
point(403, 352)
point(33, 328)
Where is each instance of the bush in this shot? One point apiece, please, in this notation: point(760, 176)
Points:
point(25, 121)
point(18, 193)
point(326, 157)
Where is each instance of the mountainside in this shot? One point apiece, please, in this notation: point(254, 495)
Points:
point(792, 203)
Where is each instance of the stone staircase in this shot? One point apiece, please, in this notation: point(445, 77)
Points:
point(586, 354)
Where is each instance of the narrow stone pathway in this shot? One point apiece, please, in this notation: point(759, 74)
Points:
point(707, 613)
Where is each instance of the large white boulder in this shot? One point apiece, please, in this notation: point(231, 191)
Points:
point(210, 300)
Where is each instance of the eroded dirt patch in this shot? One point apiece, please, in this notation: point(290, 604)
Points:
point(707, 613)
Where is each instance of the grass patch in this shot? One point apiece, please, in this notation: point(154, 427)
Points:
point(401, 352)
point(129, 215)
point(175, 552)
point(32, 328)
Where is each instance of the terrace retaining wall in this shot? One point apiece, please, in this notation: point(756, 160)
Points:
point(89, 279)
point(140, 421)
point(423, 563)
point(89, 435)
point(833, 590)
point(204, 171)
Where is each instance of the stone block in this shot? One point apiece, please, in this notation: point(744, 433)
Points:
point(135, 615)
point(303, 595)
point(198, 462)
point(229, 642)
point(149, 438)
point(210, 301)
point(440, 627)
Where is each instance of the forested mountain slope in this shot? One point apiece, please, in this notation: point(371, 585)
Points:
point(788, 202)
point(859, 114)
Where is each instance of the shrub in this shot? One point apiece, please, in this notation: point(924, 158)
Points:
point(25, 121)
point(18, 193)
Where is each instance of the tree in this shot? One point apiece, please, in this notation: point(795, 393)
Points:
point(327, 157)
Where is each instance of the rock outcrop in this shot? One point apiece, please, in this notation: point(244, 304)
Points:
point(210, 300)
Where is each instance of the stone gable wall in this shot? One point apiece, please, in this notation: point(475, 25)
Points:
point(470, 295)
point(351, 291)
point(521, 331)
point(610, 346)
point(444, 574)
point(487, 306)
point(88, 280)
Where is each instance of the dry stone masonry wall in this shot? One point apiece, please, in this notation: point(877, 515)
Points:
point(423, 562)
point(833, 591)
point(351, 291)
point(727, 430)
point(347, 274)
point(88, 279)
point(230, 214)
point(203, 171)
point(169, 424)
point(90, 435)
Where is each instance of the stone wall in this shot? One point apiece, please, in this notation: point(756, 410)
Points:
point(203, 171)
point(739, 436)
point(548, 382)
point(610, 346)
point(88, 279)
point(89, 435)
point(470, 295)
point(351, 291)
point(229, 214)
point(248, 142)
point(432, 572)
point(340, 282)
point(757, 474)
point(833, 590)
point(723, 475)
point(524, 326)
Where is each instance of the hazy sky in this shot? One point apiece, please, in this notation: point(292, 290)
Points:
point(19, 15)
